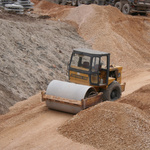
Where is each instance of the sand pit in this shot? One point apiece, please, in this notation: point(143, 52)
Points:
point(110, 125)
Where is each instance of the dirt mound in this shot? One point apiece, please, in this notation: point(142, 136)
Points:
point(139, 99)
point(55, 11)
point(110, 126)
point(32, 53)
point(107, 29)
point(113, 125)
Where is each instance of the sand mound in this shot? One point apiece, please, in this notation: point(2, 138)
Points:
point(107, 29)
point(126, 37)
point(113, 125)
point(110, 125)
point(55, 11)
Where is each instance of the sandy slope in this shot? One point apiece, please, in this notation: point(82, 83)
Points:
point(33, 51)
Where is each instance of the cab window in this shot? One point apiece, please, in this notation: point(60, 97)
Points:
point(103, 62)
point(95, 64)
point(80, 61)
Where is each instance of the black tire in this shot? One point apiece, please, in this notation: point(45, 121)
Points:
point(134, 14)
point(118, 5)
point(126, 9)
point(74, 2)
point(113, 92)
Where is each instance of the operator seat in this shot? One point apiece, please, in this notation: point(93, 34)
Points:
point(85, 64)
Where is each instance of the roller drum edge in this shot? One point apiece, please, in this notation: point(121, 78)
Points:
point(70, 91)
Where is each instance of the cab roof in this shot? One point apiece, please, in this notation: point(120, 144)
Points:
point(90, 52)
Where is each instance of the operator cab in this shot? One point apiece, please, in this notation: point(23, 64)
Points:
point(89, 67)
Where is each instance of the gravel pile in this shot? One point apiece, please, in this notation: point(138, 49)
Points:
point(110, 125)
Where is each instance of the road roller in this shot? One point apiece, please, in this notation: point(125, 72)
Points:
point(91, 80)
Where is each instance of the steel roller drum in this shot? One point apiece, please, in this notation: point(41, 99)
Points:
point(70, 91)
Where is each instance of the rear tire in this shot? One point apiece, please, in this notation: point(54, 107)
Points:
point(113, 92)
point(118, 5)
point(126, 9)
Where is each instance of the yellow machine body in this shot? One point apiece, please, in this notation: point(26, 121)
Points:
point(91, 80)
point(82, 78)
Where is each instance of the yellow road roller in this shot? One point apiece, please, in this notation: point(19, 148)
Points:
point(91, 80)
